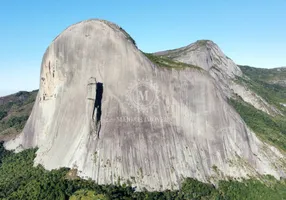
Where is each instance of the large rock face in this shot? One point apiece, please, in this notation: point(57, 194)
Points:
point(209, 56)
point(206, 54)
point(106, 110)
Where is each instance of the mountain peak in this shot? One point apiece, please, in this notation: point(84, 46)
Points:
point(204, 42)
point(205, 54)
point(94, 22)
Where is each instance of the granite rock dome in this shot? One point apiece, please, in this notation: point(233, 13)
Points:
point(106, 110)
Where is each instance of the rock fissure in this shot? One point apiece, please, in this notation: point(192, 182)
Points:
point(97, 107)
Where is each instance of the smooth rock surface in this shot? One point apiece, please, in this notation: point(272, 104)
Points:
point(207, 54)
point(106, 110)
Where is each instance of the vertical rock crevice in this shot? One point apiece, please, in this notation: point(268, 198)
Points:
point(96, 115)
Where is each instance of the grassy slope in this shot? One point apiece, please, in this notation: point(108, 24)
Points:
point(268, 128)
point(14, 112)
point(261, 82)
point(271, 129)
point(162, 61)
point(276, 75)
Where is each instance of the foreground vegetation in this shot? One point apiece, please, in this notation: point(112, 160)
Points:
point(20, 180)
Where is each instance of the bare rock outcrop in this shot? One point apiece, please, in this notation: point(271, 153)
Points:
point(207, 54)
point(108, 111)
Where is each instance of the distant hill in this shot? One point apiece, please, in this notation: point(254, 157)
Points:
point(14, 112)
point(272, 76)
point(270, 84)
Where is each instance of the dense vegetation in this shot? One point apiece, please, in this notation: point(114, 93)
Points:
point(267, 83)
point(14, 112)
point(268, 128)
point(272, 76)
point(162, 61)
point(20, 180)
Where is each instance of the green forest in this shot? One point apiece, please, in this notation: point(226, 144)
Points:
point(20, 180)
point(267, 83)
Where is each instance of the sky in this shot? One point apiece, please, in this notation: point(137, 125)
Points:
point(251, 32)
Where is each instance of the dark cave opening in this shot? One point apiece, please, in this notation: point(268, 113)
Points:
point(98, 100)
point(97, 106)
